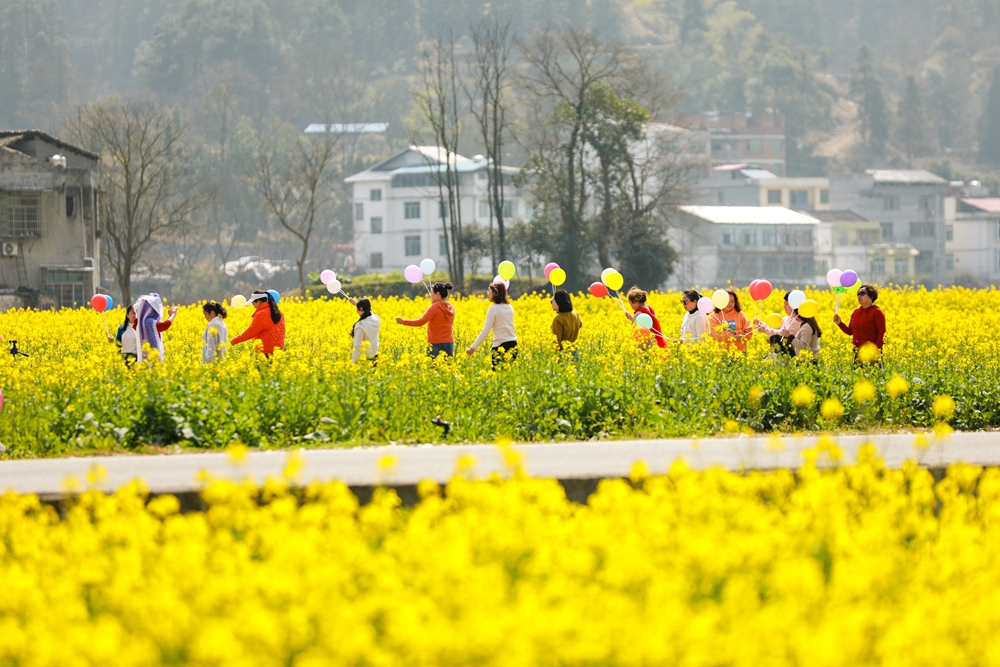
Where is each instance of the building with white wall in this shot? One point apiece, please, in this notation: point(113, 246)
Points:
point(742, 185)
point(973, 238)
point(398, 208)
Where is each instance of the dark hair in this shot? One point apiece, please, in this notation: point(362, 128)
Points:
point(636, 294)
point(811, 321)
point(736, 302)
point(870, 290)
point(365, 305)
point(130, 309)
point(442, 289)
point(275, 313)
point(499, 293)
point(787, 294)
point(215, 307)
point(692, 296)
point(561, 297)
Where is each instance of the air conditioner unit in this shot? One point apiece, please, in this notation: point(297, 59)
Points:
point(10, 249)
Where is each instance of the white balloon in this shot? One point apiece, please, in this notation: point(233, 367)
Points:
point(427, 266)
point(333, 286)
point(795, 298)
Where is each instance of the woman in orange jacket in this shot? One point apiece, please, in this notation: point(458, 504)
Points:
point(439, 318)
point(268, 325)
point(730, 326)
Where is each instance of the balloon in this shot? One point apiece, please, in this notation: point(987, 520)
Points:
point(641, 334)
point(605, 273)
point(720, 298)
point(809, 308)
point(413, 274)
point(506, 269)
point(499, 279)
point(848, 277)
point(548, 269)
point(327, 276)
point(427, 266)
point(853, 289)
point(237, 302)
point(614, 281)
point(833, 277)
point(644, 321)
point(598, 290)
point(557, 277)
point(773, 320)
point(99, 303)
point(111, 302)
point(763, 290)
point(752, 288)
point(334, 286)
point(705, 305)
point(274, 295)
point(795, 298)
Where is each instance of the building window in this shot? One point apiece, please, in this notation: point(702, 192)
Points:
point(922, 229)
point(359, 211)
point(949, 232)
point(411, 210)
point(798, 198)
point(20, 214)
point(777, 145)
point(70, 207)
point(878, 266)
point(842, 238)
point(890, 203)
point(443, 210)
point(375, 261)
point(924, 264)
point(484, 208)
point(748, 238)
point(755, 145)
point(768, 238)
point(442, 245)
point(949, 261)
point(824, 196)
point(774, 196)
point(376, 195)
point(376, 225)
point(927, 202)
point(65, 284)
point(998, 229)
point(728, 238)
point(863, 238)
point(721, 197)
point(508, 209)
point(412, 245)
point(901, 266)
point(481, 175)
point(790, 267)
point(886, 231)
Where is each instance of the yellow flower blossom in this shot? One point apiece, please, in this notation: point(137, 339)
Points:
point(897, 386)
point(864, 391)
point(831, 409)
point(803, 396)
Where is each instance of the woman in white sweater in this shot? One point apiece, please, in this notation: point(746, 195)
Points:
point(365, 329)
point(216, 334)
point(695, 323)
point(499, 320)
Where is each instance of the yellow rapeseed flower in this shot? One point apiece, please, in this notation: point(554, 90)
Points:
point(944, 407)
point(831, 409)
point(803, 396)
point(897, 386)
point(864, 391)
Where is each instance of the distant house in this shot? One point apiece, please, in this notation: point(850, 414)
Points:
point(398, 212)
point(50, 224)
point(742, 243)
point(743, 185)
point(733, 137)
point(973, 238)
point(846, 240)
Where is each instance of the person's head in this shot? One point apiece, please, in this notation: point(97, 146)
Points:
point(637, 297)
point(497, 293)
point(811, 321)
point(364, 307)
point(262, 299)
point(788, 308)
point(213, 309)
point(689, 299)
point(440, 291)
point(562, 302)
point(130, 316)
point(733, 305)
point(867, 295)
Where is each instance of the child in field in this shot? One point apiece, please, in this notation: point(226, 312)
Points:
point(216, 334)
point(365, 330)
point(500, 321)
point(268, 325)
point(730, 326)
point(695, 323)
point(637, 299)
point(439, 318)
point(566, 325)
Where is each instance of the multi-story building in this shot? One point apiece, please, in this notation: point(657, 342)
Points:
point(50, 225)
point(846, 240)
point(909, 204)
point(735, 137)
point(973, 239)
point(742, 185)
point(398, 210)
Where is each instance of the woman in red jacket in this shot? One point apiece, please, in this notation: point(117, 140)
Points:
point(268, 325)
point(867, 322)
point(637, 299)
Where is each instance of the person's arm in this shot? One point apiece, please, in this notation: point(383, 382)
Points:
point(879, 328)
point(211, 343)
point(164, 325)
point(744, 330)
point(803, 339)
point(846, 328)
point(487, 327)
point(255, 329)
point(713, 327)
point(558, 330)
point(423, 319)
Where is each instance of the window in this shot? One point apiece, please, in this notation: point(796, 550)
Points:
point(484, 208)
point(376, 195)
point(414, 181)
point(886, 231)
point(376, 225)
point(949, 232)
point(863, 238)
point(375, 261)
point(774, 196)
point(878, 265)
point(442, 245)
point(727, 266)
point(755, 145)
point(806, 238)
point(696, 148)
point(798, 198)
point(412, 245)
point(481, 175)
point(949, 261)
point(748, 237)
point(508, 209)
point(728, 238)
point(777, 145)
point(919, 229)
point(70, 207)
point(924, 263)
point(722, 197)
point(359, 211)
point(842, 238)
point(998, 229)
point(890, 203)
point(927, 202)
point(443, 210)
point(790, 267)
point(20, 213)
point(411, 210)
point(901, 266)
point(67, 285)
point(768, 238)
point(824, 196)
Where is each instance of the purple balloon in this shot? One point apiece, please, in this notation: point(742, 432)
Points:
point(413, 274)
point(848, 277)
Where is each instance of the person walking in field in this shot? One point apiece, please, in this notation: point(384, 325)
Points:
point(695, 323)
point(127, 339)
point(729, 326)
point(216, 335)
point(805, 342)
point(439, 318)
point(566, 325)
point(148, 325)
point(365, 330)
point(499, 321)
point(867, 322)
point(637, 299)
point(267, 326)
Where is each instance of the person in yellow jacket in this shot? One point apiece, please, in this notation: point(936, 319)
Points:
point(566, 325)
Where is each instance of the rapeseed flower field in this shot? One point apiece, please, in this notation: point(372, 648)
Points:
point(73, 394)
point(856, 565)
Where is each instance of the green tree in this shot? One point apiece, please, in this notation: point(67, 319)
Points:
point(693, 24)
point(989, 124)
point(873, 108)
point(34, 64)
point(913, 134)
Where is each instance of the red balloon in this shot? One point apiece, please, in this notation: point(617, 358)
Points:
point(763, 290)
point(99, 303)
point(753, 289)
point(641, 334)
point(598, 289)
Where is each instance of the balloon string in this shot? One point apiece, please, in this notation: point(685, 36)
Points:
point(104, 316)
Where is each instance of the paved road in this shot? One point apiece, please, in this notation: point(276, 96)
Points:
point(176, 473)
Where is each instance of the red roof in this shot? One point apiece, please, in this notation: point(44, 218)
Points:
point(988, 204)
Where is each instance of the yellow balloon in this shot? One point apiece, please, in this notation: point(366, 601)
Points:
point(614, 281)
point(506, 270)
point(238, 302)
point(720, 298)
point(773, 320)
point(605, 273)
point(557, 277)
point(809, 308)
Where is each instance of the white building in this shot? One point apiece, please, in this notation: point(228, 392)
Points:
point(973, 238)
point(398, 212)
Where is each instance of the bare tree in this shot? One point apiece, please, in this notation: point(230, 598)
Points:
point(148, 192)
point(295, 178)
point(488, 102)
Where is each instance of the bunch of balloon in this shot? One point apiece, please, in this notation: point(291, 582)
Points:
point(614, 281)
point(101, 303)
point(333, 286)
point(555, 275)
point(505, 271)
point(842, 282)
point(759, 291)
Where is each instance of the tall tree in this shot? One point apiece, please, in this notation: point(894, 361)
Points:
point(873, 108)
point(989, 124)
point(693, 24)
point(914, 136)
point(148, 192)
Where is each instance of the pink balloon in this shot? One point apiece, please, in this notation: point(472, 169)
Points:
point(763, 290)
point(705, 305)
point(501, 280)
point(598, 289)
point(99, 303)
point(413, 274)
point(549, 268)
point(327, 276)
